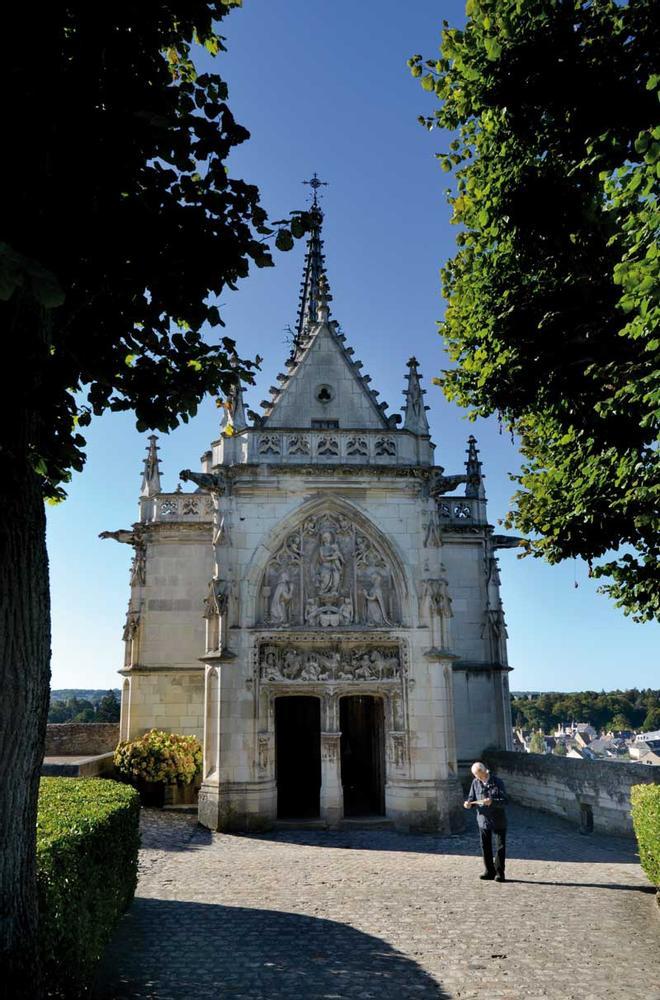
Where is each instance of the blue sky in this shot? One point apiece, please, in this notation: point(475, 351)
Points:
point(325, 87)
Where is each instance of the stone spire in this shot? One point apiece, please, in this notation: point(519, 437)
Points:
point(475, 483)
point(313, 272)
point(151, 474)
point(415, 412)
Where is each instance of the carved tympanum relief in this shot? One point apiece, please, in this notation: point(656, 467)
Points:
point(329, 663)
point(328, 574)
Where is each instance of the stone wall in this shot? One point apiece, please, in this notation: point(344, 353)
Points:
point(593, 794)
point(84, 738)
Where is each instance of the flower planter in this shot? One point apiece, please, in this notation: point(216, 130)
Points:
point(152, 793)
point(180, 794)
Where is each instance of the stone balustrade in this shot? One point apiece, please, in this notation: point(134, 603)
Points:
point(357, 447)
point(322, 445)
point(457, 510)
point(593, 794)
point(187, 507)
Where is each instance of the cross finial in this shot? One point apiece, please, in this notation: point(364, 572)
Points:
point(315, 184)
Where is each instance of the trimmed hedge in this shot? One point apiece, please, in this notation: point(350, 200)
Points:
point(87, 847)
point(645, 800)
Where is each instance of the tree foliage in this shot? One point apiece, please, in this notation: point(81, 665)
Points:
point(121, 225)
point(553, 295)
point(537, 743)
point(106, 709)
point(606, 710)
point(121, 222)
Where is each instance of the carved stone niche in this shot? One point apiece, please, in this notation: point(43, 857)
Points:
point(328, 574)
point(332, 663)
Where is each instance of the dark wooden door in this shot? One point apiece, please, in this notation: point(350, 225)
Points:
point(362, 755)
point(298, 757)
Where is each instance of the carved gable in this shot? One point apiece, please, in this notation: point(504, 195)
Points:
point(325, 386)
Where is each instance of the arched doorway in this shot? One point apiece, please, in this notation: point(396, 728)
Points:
point(298, 756)
point(362, 755)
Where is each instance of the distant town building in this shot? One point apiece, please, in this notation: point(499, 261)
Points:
point(651, 740)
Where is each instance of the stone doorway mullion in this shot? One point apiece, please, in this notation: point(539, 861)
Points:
point(332, 799)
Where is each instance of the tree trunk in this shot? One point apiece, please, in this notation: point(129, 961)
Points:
point(24, 695)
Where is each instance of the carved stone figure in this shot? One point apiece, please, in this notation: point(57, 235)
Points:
point(399, 749)
point(263, 747)
point(281, 599)
point(131, 627)
point(346, 610)
point(437, 592)
point(375, 602)
point(330, 566)
point(139, 565)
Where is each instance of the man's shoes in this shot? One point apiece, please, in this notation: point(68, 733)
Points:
point(500, 878)
point(487, 877)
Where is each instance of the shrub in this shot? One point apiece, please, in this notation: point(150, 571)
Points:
point(160, 756)
point(87, 847)
point(645, 801)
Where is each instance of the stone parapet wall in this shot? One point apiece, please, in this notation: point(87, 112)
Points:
point(593, 794)
point(84, 738)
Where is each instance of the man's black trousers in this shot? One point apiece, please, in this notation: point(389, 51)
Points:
point(496, 866)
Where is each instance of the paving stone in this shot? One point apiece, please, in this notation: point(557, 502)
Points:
point(377, 915)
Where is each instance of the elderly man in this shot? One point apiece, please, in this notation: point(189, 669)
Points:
point(487, 794)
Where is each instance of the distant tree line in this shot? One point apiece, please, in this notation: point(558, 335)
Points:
point(607, 710)
point(74, 709)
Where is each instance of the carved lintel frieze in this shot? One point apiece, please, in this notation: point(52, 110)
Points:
point(290, 663)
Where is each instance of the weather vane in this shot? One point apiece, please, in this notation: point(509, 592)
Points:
point(315, 184)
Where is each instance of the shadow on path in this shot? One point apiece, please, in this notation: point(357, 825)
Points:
point(585, 885)
point(532, 836)
point(169, 950)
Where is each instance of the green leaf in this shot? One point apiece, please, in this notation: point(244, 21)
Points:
point(493, 49)
point(284, 240)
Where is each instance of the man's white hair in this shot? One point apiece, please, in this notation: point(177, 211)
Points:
point(478, 766)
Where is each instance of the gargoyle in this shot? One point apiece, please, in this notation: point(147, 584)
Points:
point(445, 484)
point(128, 537)
point(506, 541)
point(206, 480)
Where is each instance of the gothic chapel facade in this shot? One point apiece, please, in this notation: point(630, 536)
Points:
point(324, 608)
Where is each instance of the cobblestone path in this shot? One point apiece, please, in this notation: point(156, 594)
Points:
point(374, 915)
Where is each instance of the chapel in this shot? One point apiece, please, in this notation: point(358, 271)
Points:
point(323, 608)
